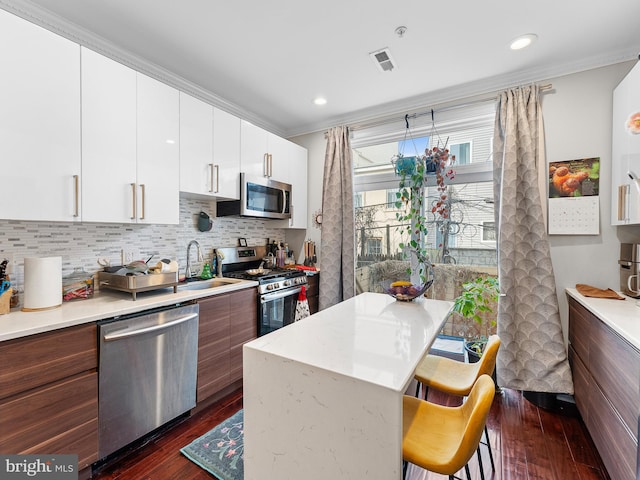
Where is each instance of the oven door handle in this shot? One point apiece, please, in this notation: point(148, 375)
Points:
point(276, 295)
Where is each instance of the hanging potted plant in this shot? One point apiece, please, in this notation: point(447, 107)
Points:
point(413, 217)
point(476, 300)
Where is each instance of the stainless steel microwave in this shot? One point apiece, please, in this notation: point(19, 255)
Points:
point(259, 197)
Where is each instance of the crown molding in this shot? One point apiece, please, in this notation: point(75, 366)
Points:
point(60, 26)
point(50, 21)
point(466, 91)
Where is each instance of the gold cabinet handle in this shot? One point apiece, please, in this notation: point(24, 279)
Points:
point(265, 165)
point(133, 201)
point(76, 186)
point(211, 177)
point(143, 194)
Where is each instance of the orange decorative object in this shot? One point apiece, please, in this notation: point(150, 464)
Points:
point(565, 182)
point(633, 123)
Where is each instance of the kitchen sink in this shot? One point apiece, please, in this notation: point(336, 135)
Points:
point(204, 284)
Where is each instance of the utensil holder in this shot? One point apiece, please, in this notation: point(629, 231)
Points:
point(5, 301)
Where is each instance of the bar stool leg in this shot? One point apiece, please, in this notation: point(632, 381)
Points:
point(486, 435)
point(480, 463)
point(425, 390)
point(466, 469)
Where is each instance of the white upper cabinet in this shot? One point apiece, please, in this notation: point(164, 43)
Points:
point(279, 158)
point(254, 150)
point(130, 145)
point(39, 123)
point(298, 180)
point(263, 153)
point(196, 146)
point(296, 175)
point(109, 188)
point(625, 151)
point(158, 152)
point(226, 154)
point(209, 150)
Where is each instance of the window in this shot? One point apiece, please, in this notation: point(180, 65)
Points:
point(467, 237)
point(374, 246)
point(462, 151)
point(391, 199)
point(489, 232)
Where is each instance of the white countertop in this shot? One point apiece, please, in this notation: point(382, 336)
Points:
point(104, 304)
point(370, 337)
point(623, 316)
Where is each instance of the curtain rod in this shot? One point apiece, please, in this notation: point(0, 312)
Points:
point(432, 111)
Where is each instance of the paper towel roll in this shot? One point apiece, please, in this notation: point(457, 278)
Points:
point(42, 283)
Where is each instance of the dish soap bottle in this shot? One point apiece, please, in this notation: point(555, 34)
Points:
point(206, 272)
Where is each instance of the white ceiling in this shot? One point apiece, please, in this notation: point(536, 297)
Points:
point(270, 59)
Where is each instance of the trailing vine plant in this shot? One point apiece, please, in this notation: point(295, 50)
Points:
point(410, 198)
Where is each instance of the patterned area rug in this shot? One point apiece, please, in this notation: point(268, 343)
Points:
point(221, 450)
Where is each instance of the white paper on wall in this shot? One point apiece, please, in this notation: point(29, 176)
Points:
point(574, 216)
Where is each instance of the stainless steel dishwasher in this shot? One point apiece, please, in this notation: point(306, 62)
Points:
point(147, 373)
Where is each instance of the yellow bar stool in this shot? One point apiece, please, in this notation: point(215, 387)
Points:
point(458, 378)
point(443, 439)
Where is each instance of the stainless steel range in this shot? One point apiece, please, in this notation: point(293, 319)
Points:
point(278, 288)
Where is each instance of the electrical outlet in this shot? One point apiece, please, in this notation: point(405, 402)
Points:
point(127, 256)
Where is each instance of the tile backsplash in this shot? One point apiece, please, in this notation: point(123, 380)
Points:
point(82, 244)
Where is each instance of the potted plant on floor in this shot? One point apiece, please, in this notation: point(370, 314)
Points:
point(475, 301)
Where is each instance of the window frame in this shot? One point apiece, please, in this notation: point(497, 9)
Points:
point(383, 177)
point(482, 239)
point(369, 242)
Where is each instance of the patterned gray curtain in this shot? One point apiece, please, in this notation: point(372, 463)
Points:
point(532, 356)
point(337, 261)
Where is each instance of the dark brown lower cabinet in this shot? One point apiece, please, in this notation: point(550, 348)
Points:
point(49, 394)
point(606, 374)
point(227, 321)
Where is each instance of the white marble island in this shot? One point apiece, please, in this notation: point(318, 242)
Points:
point(323, 397)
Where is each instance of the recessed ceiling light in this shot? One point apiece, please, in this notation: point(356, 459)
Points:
point(320, 101)
point(523, 41)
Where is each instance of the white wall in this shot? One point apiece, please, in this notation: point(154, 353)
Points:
point(577, 116)
point(316, 145)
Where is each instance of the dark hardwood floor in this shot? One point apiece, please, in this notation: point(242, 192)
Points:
point(528, 443)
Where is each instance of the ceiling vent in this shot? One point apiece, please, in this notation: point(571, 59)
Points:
point(382, 58)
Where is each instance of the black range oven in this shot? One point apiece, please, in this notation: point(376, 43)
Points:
point(278, 288)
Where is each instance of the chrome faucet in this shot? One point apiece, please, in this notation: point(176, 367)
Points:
point(188, 273)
